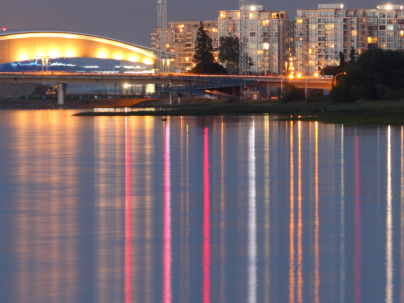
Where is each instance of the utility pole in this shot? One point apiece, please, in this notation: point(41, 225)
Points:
point(244, 62)
point(161, 30)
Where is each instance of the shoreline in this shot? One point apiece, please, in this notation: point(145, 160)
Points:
point(359, 113)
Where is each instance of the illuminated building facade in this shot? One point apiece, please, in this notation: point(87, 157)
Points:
point(63, 51)
point(181, 37)
point(322, 33)
point(269, 40)
point(385, 26)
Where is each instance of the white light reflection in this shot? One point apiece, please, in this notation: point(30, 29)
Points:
point(252, 245)
point(267, 213)
point(299, 220)
point(342, 221)
point(389, 227)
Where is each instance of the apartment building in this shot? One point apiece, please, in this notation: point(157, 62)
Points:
point(322, 33)
point(385, 26)
point(181, 37)
point(268, 34)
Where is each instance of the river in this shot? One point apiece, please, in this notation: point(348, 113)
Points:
point(198, 209)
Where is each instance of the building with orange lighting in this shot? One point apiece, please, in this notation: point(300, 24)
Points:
point(323, 33)
point(46, 50)
point(181, 37)
point(268, 37)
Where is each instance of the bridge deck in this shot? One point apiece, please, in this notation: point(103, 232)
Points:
point(176, 79)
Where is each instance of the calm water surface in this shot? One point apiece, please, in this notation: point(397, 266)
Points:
point(198, 209)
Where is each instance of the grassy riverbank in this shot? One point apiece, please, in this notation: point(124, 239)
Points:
point(371, 112)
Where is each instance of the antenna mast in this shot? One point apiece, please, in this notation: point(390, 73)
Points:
point(244, 62)
point(161, 29)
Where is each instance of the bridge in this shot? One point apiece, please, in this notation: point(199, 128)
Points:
point(181, 84)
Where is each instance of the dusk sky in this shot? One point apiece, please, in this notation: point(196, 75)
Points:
point(130, 21)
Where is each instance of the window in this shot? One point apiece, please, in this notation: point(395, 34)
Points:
point(372, 39)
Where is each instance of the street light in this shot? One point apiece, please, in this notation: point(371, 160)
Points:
point(335, 78)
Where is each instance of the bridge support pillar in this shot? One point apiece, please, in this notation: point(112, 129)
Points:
point(179, 99)
point(171, 94)
point(61, 93)
point(268, 91)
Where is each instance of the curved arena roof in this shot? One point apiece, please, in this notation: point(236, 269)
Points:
point(36, 44)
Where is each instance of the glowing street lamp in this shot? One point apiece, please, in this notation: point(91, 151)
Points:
point(335, 77)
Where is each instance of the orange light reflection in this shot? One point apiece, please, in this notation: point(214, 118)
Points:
point(299, 221)
point(291, 224)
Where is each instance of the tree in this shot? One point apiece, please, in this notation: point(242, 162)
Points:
point(352, 56)
point(375, 75)
point(203, 47)
point(342, 62)
point(229, 53)
point(209, 68)
point(204, 55)
point(291, 93)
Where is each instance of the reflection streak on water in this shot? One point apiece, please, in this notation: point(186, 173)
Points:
point(267, 212)
point(128, 225)
point(139, 233)
point(252, 245)
point(222, 219)
point(167, 296)
point(402, 214)
point(43, 272)
point(149, 210)
point(342, 222)
point(206, 221)
point(299, 221)
point(316, 226)
point(357, 258)
point(389, 226)
point(292, 224)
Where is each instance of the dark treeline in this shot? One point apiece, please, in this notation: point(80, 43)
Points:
point(375, 75)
